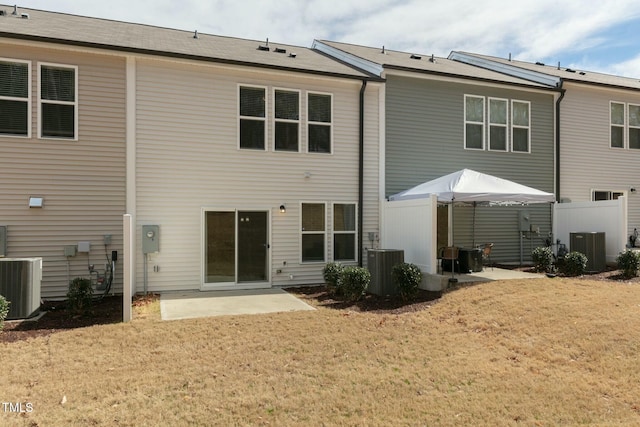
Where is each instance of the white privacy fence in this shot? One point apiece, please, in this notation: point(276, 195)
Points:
point(608, 216)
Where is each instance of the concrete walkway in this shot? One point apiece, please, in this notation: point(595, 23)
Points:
point(489, 274)
point(189, 305)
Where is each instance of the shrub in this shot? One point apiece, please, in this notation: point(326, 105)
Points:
point(80, 295)
point(542, 258)
point(354, 282)
point(331, 274)
point(4, 310)
point(628, 262)
point(406, 278)
point(574, 264)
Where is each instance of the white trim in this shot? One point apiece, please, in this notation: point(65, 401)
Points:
point(276, 120)
point(263, 119)
point(130, 163)
point(27, 99)
point(355, 232)
point(528, 127)
point(482, 123)
point(310, 122)
point(75, 103)
point(505, 126)
point(301, 232)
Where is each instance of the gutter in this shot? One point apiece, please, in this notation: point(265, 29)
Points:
point(361, 172)
point(562, 93)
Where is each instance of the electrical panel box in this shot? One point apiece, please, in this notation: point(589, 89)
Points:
point(524, 221)
point(150, 239)
point(3, 241)
point(84, 247)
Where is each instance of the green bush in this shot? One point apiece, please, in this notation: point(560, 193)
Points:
point(80, 295)
point(354, 282)
point(574, 264)
point(331, 274)
point(406, 278)
point(542, 258)
point(629, 263)
point(4, 310)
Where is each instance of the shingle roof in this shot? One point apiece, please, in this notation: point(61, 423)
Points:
point(128, 37)
point(567, 73)
point(426, 63)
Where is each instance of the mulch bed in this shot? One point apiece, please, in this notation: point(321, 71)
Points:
point(109, 310)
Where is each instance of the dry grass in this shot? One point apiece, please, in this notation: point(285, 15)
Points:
point(536, 352)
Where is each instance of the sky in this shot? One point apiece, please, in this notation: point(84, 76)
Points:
point(593, 36)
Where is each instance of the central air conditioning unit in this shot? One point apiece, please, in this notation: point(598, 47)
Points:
point(380, 262)
point(591, 244)
point(20, 280)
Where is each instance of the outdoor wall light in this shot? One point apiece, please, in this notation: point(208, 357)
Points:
point(283, 208)
point(633, 189)
point(36, 202)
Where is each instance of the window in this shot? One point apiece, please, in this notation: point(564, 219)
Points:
point(319, 122)
point(58, 112)
point(313, 232)
point(252, 123)
point(474, 122)
point(634, 126)
point(605, 195)
point(287, 116)
point(15, 83)
point(344, 232)
point(520, 126)
point(617, 125)
point(497, 124)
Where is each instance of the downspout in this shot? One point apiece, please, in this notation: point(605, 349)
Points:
point(562, 92)
point(361, 173)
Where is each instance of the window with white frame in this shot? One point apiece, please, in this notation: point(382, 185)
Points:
point(617, 124)
point(15, 83)
point(252, 117)
point(58, 101)
point(313, 232)
point(474, 122)
point(520, 126)
point(498, 124)
point(344, 232)
point(287, 117)
point(634, 126)
point(320, 118)
point(597, 195)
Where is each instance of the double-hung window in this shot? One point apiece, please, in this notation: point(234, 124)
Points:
point(474, 122)
point(634, 126)
point(520, 126)
point(617, 125)
point(344, 232)
point(15, 84)
point(498, 124)
point(624, 122)
point(252, 123)
point(319, 122)
point(605, 195)
point(58, 101)
point(287, 118)
point(313, 238)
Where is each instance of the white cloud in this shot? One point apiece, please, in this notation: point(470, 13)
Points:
point(531, 30)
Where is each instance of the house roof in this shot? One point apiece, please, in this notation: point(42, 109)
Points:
point(377, 59)
point(60, 28)
point(561, 72)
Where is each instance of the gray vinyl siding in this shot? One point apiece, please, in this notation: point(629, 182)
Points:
point(425, 140)
point(187, 160)
point(82, 182)
point(586, 159)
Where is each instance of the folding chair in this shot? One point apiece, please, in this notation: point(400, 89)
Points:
point(450, 253)
point(486, 253)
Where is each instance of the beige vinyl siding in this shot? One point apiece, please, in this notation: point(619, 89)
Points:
point(425, 140)
point(586, 160)
point(187, 159)
point(82, 182)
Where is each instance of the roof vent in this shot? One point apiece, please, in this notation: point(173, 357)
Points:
point(433, 58)
point(569, 70)
point(414, 56)
point(582, 73)
point(280, 50)
point(540, 63)
point(383, 51)
point(15, 10)
point(292, 55)
point(195, 34)
point(24, 16)
point(3, 12)
point(264, 46)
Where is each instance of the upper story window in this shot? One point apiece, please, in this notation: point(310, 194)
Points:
point(508, 124)
point(319, 122)
point(15, 89)
point(474, 122)
point(58, 99)
point(252, 111)
point(287, 118)
point(520, 126)
point(624, 122)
